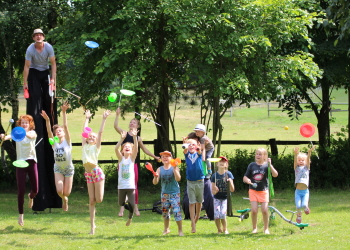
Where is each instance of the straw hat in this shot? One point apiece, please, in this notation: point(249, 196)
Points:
point(38, 31)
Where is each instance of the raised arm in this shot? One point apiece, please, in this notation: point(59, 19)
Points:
point(48, 124)
point(135, 149)
point(104, 117)
point(64, 108)
point(296, 152)
point(87, 119)
point(117, 151)
point(116, 121)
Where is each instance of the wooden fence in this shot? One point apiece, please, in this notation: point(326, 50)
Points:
point(272, 143)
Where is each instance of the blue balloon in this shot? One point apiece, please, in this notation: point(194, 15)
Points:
point(18, 134)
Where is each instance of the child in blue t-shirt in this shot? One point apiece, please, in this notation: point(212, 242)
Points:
point(195, 180)
point(170, 195)
point(221, 181)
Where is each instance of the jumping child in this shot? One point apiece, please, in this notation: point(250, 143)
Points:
point(95, 178)
point(126, 172)
point(302, 171)
point(25, 150)
point(219, 182)
point(63, 168)
point(257, 172)
point(170, 194)
point(195, 180)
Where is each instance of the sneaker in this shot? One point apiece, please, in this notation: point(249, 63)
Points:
point(307, 210)
point(299, 219)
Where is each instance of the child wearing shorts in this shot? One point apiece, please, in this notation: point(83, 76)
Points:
point(257, 178)
point(195, 180)
point(95, 178)
point(62, 149)
point(170, 195)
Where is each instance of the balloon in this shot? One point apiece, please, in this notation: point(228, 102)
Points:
point(127, 92)
point(307, 130)
point(20, 164)
point(18, 134)
point(92, 44)
point(112, 97)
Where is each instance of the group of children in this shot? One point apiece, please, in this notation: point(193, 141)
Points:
point(199, 148)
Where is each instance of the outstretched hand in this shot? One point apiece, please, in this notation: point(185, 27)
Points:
point(106, 114)
point(44, 115)
point(65, 106)
point(88, 114)
point(117, 112)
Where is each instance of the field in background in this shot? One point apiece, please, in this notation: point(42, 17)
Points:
point(244, 124)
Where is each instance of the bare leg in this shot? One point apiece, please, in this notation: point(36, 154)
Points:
point(179, 227)
point(198, 210)
point(121, 211)
point(21, 220)
point(224, 226)
point(30, 202)
point(254, 212)
point(218, 225)
point(136, 210)
point(265, 213)
point(59, 180)
point(166, 226)
point(192, 209)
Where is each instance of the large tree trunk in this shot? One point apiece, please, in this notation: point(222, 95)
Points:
point(323, 119)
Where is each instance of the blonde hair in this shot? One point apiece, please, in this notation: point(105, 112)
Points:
point(132, 147)
point(92, 133)
point(264, 153)
point(302, 155)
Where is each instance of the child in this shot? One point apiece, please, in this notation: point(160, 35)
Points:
point(25, 150)
point(63, 168)
point(220, 181)
point(207, 146)
point(257, 172)
point(95, 178)
point(126, 172)
point(302, 171)
point(170, 195)
point(195, 180)
point(134, 124)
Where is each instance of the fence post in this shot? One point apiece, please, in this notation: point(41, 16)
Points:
point(273, 146)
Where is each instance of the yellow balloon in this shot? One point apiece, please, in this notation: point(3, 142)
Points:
point(286, 127)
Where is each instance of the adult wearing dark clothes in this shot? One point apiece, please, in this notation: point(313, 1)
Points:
point(36, 82)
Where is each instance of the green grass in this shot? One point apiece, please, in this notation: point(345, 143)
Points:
point(328, 223)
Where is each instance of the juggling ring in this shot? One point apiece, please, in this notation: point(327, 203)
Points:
point(307, 130)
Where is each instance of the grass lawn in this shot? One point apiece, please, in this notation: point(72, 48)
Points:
point(328, 223)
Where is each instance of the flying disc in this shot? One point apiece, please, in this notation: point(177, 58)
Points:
point(18, 134)
point(20, 164)
point(214, 159)
point(307, 130)
point(127, 92)
point(112, 97)
point(92, 44)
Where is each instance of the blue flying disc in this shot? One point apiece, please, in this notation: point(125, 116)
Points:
point(92, 44)
point(18, 134)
